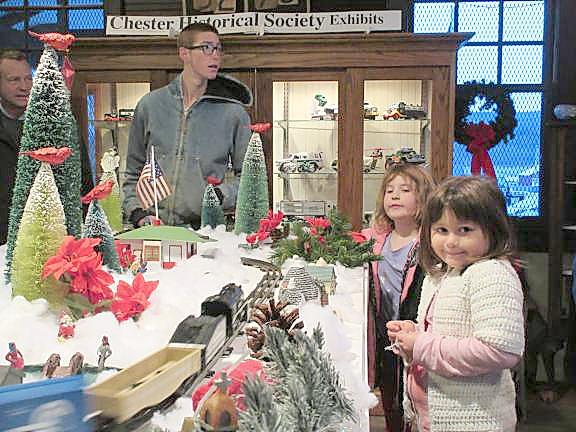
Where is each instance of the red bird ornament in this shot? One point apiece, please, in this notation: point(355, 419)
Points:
point(260, 127)
point(52, 155)
point(58, 41)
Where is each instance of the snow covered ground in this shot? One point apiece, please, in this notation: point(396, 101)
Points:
point(34, 327)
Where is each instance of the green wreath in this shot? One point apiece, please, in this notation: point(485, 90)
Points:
point(505, 121)
point(481, 137)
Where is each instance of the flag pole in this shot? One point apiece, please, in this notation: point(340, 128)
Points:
point(153, 168)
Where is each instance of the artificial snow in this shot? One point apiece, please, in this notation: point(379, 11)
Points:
point(181, 291)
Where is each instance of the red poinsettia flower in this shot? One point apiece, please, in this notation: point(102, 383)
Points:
point(214, 181)
point(252, 238)
point(99, 192)
point(358, 237)
point(260, 127)
point(318, 222)
point(262, 235)
point(132, 299)
point(264, 225)
point(52, 155)
point(69, 256)
point(92, 281)
point(274, 219)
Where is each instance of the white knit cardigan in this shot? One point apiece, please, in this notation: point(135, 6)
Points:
point(485, 302)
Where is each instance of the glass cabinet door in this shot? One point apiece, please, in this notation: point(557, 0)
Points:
point(396, 130)
point(110, 112)
point(305, 147)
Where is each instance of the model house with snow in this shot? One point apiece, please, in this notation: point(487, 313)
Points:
point(162, 246)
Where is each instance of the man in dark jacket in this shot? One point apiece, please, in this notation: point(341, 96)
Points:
point(15, 86)
point(197, 124)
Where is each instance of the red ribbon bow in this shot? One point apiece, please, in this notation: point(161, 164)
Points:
point(483, 137)
point(58, 41)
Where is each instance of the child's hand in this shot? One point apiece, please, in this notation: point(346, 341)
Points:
point(396, 326)
point(405, 340)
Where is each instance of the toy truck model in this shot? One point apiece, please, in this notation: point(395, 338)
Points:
point(302, 162)
point(370, 111)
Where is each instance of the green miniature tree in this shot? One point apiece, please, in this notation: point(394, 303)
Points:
point(97, 226)
point(306, 393)
point(48, 123)
point(42, 229)
point(112, 204)
point(212, 213)
point(252, 201)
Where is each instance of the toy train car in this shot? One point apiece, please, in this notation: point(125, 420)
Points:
point(197, 342)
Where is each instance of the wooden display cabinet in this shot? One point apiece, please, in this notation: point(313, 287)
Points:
point(285, 72)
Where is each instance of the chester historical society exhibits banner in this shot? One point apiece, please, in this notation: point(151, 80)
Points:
point(260, 23)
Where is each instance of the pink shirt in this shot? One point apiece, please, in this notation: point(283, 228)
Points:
point(448, 357)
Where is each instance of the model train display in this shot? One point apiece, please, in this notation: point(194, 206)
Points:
point(198, 343)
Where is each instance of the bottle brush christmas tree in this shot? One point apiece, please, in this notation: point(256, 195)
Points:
point(42, 229)
point(252, 201)
point(97, 226)
point(212, 213)
point(112, 204)
point(49, 123)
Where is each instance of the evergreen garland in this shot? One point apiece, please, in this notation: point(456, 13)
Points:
point(42, 230)
point(212, 213)
point(112, 204)
point(48, 123)
point(252, 201)
point(96, 226)
point(308, 396)
point(334, 245)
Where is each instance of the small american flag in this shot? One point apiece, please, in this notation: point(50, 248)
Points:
point(145, 186)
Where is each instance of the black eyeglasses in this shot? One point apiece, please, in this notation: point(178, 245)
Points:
point(208, 49)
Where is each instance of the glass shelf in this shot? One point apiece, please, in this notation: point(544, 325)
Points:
point(111, 124)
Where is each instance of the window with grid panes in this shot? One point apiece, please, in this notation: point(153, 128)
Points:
point(80, 17)
point(507, 49)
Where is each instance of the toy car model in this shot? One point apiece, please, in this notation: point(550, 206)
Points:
point(370, 111)
point(402, 110)
point(302, 162)
point(126, 114)
point(404, 155)
point(368, 162)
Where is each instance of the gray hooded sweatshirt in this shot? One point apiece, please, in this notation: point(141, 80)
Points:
point(189, 146)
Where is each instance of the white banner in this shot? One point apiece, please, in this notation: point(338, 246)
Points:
point(259, 23)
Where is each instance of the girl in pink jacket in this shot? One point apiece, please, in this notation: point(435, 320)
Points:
point(396, 279)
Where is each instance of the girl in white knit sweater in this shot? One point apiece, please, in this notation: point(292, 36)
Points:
point(470, 326)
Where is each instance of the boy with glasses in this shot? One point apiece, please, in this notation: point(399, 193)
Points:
point(197, 124)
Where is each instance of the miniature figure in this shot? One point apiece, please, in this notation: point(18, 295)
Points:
point(66, 328)
point(104, 352)
point(14, 356)
point(50, 366)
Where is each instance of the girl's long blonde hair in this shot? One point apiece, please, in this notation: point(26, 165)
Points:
point(423, 182)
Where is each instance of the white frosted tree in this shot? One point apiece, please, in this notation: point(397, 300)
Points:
point(212, 213)
point(252, 201)
point(41, 232)
point(112, 204)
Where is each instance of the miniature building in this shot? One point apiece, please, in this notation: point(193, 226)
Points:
point(299, 286)
point(324, 274)
point(162, 246)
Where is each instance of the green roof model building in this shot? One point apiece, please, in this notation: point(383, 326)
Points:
point(162, 246)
